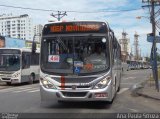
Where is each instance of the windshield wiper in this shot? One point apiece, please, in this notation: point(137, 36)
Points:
point(62, 43)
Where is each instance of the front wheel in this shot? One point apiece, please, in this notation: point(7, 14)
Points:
point(119, 88)
point(8, 83)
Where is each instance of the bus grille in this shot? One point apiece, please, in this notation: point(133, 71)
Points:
point(6, 79)
point(74, 94)
point(76, 80)
point(6, 72)
point(77, 87)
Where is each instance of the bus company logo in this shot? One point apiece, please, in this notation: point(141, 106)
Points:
point(74, 87)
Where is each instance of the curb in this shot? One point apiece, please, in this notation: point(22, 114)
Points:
point(142, 94)
point(137, 87)
point(147, 96)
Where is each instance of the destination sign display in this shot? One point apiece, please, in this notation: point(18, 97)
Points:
point(75, 27)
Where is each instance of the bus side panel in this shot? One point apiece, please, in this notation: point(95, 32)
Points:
point(114, 79)
point(25, 75)
point(36, 70)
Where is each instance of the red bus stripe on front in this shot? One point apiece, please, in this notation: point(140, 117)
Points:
point(62, 83)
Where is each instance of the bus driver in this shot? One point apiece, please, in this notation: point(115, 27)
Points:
point(97, 58)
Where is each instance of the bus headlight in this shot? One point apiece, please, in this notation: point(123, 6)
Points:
point(15, 75)
point(47, 84)
point(103, 83)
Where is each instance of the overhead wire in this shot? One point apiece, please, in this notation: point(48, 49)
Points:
point(50, 10)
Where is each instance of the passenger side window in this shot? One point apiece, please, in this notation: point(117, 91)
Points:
point(25, 60)
point(35, 59)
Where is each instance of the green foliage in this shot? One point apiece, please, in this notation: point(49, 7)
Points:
point(148, 59)
point(158, 57)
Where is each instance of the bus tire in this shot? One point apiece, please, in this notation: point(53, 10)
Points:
point(119, 88)
point(8, 83)
point(110, 102)
point(32, 78)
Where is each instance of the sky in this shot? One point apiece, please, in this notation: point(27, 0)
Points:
point(118, 21)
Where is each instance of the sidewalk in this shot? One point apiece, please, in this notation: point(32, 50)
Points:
point(149, 90)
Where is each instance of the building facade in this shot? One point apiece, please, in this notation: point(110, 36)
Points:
point(28, 44)
point(16, 26)
point(38, 32)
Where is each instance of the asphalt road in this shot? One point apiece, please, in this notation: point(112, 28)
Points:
point(26, 99)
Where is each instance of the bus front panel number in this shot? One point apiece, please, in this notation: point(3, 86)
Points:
point(53, 58)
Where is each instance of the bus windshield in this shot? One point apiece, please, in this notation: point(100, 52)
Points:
point(75, 54)
point(9, 62)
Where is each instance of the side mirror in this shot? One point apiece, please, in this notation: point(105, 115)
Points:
point(23, 65)
point(34, 47)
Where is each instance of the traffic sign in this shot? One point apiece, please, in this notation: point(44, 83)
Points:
point(151, 38)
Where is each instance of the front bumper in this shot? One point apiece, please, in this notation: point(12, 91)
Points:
point(9, 79)
point(75, 95)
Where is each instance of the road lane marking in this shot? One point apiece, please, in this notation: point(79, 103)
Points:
point(13, 89)
point(133, 110)
point(128, 83)
point(17, 88)
point(129, 78)
point(33, 91)
point(122, 90)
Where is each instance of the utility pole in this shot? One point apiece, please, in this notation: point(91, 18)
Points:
point(59, 15)
point(153, 50)
point(154, 44)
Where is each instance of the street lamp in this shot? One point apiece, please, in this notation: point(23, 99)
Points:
point(139, 17)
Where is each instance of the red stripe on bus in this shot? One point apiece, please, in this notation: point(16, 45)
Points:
point(62, 83)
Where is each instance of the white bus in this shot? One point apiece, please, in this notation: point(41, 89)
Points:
point(18, 65)
point(80, 61)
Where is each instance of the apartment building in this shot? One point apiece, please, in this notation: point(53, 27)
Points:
point(16, 26)
point(38, 32)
